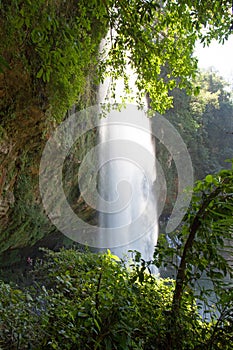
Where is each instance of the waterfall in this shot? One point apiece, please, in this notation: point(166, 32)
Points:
point(116, 178)
point(128, 218)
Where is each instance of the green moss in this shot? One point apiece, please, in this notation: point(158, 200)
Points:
point(52, 48)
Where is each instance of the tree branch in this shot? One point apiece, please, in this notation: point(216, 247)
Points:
point(194, 226)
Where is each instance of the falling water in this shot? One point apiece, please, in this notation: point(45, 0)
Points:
point(126, 182)
point(117, 178)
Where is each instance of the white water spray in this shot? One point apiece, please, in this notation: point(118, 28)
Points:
point(126, 180)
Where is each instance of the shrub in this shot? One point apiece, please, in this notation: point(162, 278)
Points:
point(94, 301)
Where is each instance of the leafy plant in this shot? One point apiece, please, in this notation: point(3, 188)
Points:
point(204, 246)
point(93, 301)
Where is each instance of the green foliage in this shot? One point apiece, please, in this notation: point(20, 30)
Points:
point(94, 301)
point(205, 123)
point(17, 305)
point(157, 41)
point(204, 242)
point(57, 43)
point(200, 252)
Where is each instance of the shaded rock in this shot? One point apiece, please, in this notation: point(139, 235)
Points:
point(6, 202)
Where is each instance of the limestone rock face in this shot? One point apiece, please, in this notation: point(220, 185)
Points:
point(25, 126)
point(43, 72)
point(23, 129)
